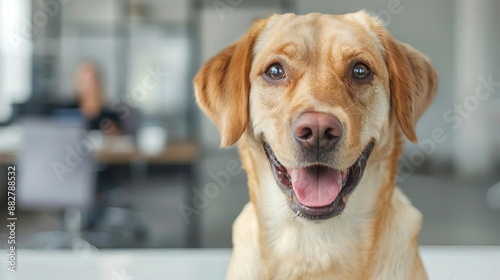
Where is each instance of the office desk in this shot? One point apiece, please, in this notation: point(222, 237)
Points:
point(441, 262)
point(183, 154)
point(174, 153)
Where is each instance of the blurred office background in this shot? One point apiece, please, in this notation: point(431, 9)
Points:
point(167, 153)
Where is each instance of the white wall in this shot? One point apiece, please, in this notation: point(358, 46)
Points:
point(477, 59)
point(15, 55)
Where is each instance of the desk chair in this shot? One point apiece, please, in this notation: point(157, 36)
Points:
point(55, 172)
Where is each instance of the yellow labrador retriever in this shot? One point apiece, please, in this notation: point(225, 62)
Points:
point(318, 105)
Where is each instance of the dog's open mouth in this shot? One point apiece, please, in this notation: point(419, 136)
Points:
point(317, 192)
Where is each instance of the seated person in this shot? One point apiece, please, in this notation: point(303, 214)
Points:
point(89, 93)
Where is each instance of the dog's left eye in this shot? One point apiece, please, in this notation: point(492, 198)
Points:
point(275, 72)
point(360, 71)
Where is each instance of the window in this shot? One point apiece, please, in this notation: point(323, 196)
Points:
point(15, 54)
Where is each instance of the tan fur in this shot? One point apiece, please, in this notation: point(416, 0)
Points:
point(376, 235)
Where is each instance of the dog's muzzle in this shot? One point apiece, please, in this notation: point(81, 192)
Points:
point(317, 191)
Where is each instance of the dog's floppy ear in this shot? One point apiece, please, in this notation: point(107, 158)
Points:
point(413, 82)
point(222, 86)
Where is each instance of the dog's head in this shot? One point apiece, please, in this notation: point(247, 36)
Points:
point(318, 92)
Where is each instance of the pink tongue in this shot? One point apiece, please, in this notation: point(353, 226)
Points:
point(316, 186)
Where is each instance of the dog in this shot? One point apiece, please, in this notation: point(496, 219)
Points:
point(319, 105)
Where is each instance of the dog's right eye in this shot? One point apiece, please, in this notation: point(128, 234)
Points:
point(275, 72)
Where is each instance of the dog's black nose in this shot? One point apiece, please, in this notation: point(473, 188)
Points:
point(315, 130)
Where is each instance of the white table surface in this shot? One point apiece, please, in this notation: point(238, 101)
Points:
point(442, 263)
